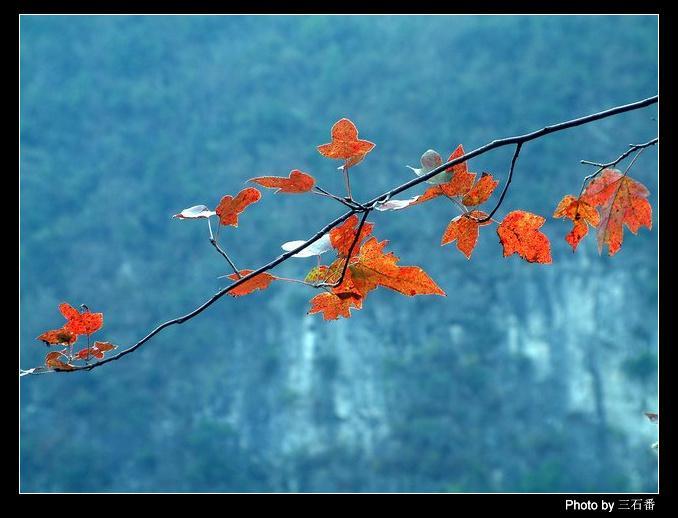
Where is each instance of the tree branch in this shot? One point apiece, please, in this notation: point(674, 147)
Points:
point(520, 139)
point(365, 208)
point(508, 182)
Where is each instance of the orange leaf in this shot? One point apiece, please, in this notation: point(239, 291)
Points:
point(368, 270)
point(86, 354)
point(333, 306)
point(58, 337)
point(348, 287)
point(623, 202)
point(481, 191)
point(604, 186)
point(375, 268)
point(258, 282)
point(429, 194)
point(458, 185)
point(96, 351)
point(229, 207)
point(581, 213)
point(297, 182)
point(345, 143)
point(464, 229)
point(519, 233)
point(104, 346)
point(342, 237)
point(84, 323)
point(53, 361)
point(459, 168)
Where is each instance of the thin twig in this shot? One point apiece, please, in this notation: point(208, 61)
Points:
point(633, 161)
point(324, 193)
point(602, 167)
point(356, 238)
point(456, 202)
point(348, 182)
point(516, 153)
point(520, 139)
point(221, 251)
point(349, 202)
point(596, 164)
point(299, 281)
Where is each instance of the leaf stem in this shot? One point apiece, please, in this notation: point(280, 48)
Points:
point(323, 192)
point(298, 281)
point(215, 244)
point(516, 153)
point(348, 180)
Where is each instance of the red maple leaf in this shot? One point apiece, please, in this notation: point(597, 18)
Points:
point(345, 143)
point(84, 323)
point(58, 337)
point(519, 234)
point(297, 182)
point(333, 306)
point(581, 213)
point(622, 201)
point(481, 191)
point(53, 361)
point(464, 230)
point(343, 236)
point(229, 207)
point(260, 281)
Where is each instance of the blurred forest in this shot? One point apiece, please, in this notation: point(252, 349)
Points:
point(525, 378)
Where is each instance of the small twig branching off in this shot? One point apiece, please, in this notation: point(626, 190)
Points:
point(516, 153)
point(215, 244)
point(356, 238)
point(602, 167)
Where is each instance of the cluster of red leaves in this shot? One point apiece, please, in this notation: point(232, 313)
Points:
point(258, 282)
point(361, 265)
point(460, 184)
point(518, 232)
point(77, 323)
point(620, 200)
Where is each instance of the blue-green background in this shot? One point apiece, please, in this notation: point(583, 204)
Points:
point(524, 378)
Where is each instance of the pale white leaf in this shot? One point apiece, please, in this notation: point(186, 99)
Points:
point(429, 161)
point(195, 212)
point(319, 247)
point(396, 204)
